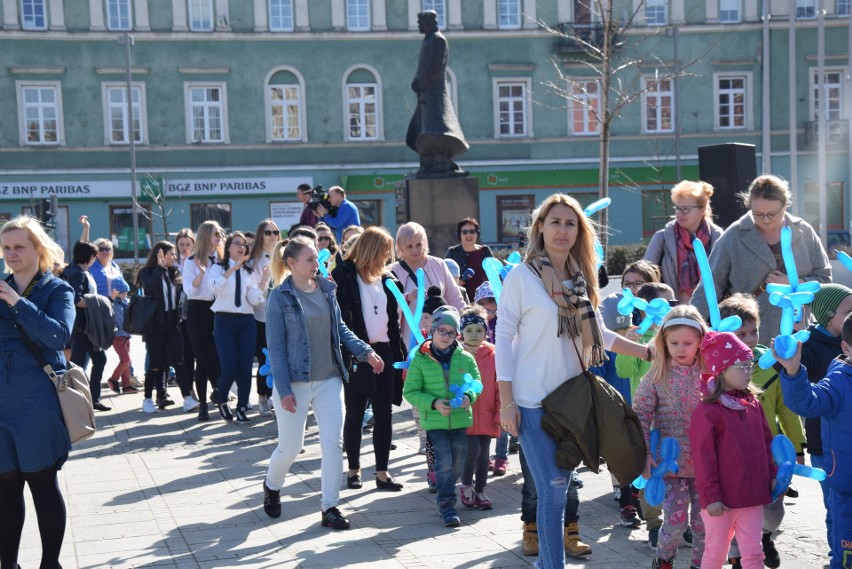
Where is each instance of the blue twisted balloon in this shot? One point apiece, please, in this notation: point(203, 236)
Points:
point(669, 452)
point(266, 369)
point(413, 320)
point(655, 310)
point(512, 261)
point(591, 210)
point(322, 259)
point(492, 268)
point(784, 455)
point(458, 391)
point(844, 259)
point(729, 324)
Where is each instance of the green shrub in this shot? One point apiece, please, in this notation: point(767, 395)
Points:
point(619, 256)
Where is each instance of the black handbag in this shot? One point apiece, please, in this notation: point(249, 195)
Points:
point(362, 379)
point(140, 313)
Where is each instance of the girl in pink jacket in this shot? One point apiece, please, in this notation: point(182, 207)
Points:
point(486, 411)
point(731, 454)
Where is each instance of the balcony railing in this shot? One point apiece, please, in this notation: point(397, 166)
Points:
point(575, 38)
point(836, 133)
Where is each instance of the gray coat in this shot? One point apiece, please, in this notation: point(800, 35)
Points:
point(662, 251)
point(100, 321)
point(741, 261)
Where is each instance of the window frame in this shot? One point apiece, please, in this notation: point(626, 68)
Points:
point(837, 11)
point(272, 19)
point(23, 132)
point(526, 83)
point(377, 78)
point(201, 5)
point(442, 13)
point(810, 10)
point(188, 106)
point(739, 12)
point(193, 207)
point(108, 15)
point(268, 104)
point(658, 6)
point(106, 87)
point(359, 28)
point(362, 113)
point(519, 8)
point(748, 114)
point(842, 112)
point(647, 94)
point(587, 112)
point(44, 14)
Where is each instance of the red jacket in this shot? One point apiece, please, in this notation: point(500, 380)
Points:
point(486, 410)
point(731, 453)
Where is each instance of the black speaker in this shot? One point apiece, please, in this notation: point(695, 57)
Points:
point(729, 168)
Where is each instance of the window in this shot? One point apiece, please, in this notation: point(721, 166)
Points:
point(842, 8)
point(656, 12)
point(281, 15)
point(584, 107)
point(219, 212)
point(509, 14)
point(121, 229)
point(658, 105)
point(285, 106)
point(362, 117)
point(201, 15)
point(512, 108)
point(207, 113)
point(440, 7)
point(40, 107)
point(833, 86)
point(358, 15)
point(729, 11)
point(118, 15)
point(731, 101)
point(834, 202)
point(805, 9)
point(115, 107)
point(370, 212)
point(33, 15)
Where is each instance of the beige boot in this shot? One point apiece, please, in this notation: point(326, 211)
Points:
point(530, 539)
point(573, 545)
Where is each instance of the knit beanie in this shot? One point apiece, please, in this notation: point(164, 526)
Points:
point(446, 316)
point(120, 285)
point(826, 300)
point(720, 350)
point(612, 318)
point(434, 300)
point(483, 291)
point(453, 267)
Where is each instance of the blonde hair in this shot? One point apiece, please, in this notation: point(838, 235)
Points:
point(205, 240)
point(407, 232)
point(48, 251)
point(659, 372)
point(103, 242)
point(768, 187)
point(287, 249)
point(699, 191)
point(371, 252)
point(583, 251)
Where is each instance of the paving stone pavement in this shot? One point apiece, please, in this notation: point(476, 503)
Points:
point(164, 490)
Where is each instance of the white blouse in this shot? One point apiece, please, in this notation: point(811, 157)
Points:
point(189, 271)
point(224, 289)
point(374, 307)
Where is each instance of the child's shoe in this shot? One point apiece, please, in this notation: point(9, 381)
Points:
point(629, 519)
point(263, 404)
point(500, 466)
point(451, 519)
point(482, 502)
point(770, 554)
point(735, 563)
point(113, 385)
point(576, 480)
point(687, 536)
point(653, 537)
point(514, 445)
point(661, 564)
point(432, 481)
point(490, 465)
point(530, 539)
point(134, 381)
point(468, 496)
point(574, 546)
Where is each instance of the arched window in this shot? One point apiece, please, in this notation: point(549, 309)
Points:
point(362, 90)
point(285, 105)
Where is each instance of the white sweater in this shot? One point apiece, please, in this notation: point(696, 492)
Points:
point(529, 353)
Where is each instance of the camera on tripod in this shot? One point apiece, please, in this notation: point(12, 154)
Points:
point(319, 197)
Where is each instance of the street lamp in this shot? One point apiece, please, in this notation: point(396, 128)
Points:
point(126, 40)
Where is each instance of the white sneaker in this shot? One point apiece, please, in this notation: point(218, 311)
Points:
point(148, 406)
point(134, 381)
point(263, 403)
point(189, 404)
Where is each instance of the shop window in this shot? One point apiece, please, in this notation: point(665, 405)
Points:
point(370, 212)
point(218, 212)
point(121, 230)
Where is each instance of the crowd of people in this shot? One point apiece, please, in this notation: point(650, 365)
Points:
point(476, 368)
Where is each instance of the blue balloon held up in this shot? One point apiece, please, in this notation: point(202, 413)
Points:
point(844, 259)
point(266, 369)
point(597, 206)
point(628, 302)
point(784, 454)
point(729, 324)
point(322, 259)
point(669, 452)
point(655, 310)
point(783, 347)
point(407, 362)
point(512, 261)
point(458, 391)
point(413, 320)
point(492, 268)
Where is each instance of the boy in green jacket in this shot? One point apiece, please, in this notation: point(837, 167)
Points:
point(439, 363)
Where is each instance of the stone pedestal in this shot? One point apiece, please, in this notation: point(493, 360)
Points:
point(438, 205)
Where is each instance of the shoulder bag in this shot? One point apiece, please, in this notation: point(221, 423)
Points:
point(140, 312)
point(72, 388)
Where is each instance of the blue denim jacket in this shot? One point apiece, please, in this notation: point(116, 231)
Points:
point(287, 336)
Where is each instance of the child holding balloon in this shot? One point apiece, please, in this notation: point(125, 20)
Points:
point(730, 438)
point(666, 398)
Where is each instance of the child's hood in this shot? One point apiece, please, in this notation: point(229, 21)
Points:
point(841, 364)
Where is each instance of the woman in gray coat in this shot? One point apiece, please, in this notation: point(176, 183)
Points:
point(671, 247)
point(748, 255)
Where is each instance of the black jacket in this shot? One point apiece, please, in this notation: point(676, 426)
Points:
point(151, 281)
point(349, 299)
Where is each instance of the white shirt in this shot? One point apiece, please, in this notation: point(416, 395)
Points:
point(374, 307)
point(189, 271)
point(260, 309)
point(224, 288)
point(528, 351)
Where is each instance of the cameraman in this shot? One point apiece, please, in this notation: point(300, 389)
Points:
point(346, 215)
point(304, 193)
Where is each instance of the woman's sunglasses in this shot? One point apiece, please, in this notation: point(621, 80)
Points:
point(271, 232)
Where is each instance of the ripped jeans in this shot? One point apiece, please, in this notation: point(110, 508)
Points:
point(551, 483)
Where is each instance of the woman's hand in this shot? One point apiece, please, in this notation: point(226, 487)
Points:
point(510, 419)
point(161, 259)
point(716, 509)
point(377, 363)
point(777, 277)
point(84, 221)
point(200, 264)
point(8, 294)
point(288, 403)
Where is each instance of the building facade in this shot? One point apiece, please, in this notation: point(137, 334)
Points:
point(236, 102)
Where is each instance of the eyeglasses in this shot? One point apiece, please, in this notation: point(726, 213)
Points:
point(632, 284)
point(468, 232)
point(104, 250)
point(746, 367)
point(446, 333)
point(687, 209)
point(324, 238)
point(240, 244)
point(271, 232)
point(767, 216)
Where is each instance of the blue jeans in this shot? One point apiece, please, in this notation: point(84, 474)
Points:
point(450, 447)
point(235, 338)
point(552, 484)
point(501, 447)
point(529, 496)
point(818, 461)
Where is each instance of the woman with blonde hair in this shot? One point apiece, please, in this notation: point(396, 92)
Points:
point(671, 246)
point(370, 310)
point(548, 331)
point(34, 442)
point(260, 256)
point(199, 317)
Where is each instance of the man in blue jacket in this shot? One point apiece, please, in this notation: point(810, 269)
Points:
point(346, 214)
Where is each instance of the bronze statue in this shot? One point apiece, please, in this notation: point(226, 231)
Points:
point(434, 131)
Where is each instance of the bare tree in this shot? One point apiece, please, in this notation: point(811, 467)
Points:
point(151, 189)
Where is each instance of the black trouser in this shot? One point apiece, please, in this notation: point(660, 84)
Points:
point(199, 324)
point(262, 388)
point(356, 404)
point(166, 340)
point(50, 511)
point(188, 358)
point(476, 461)
point(81, 350)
